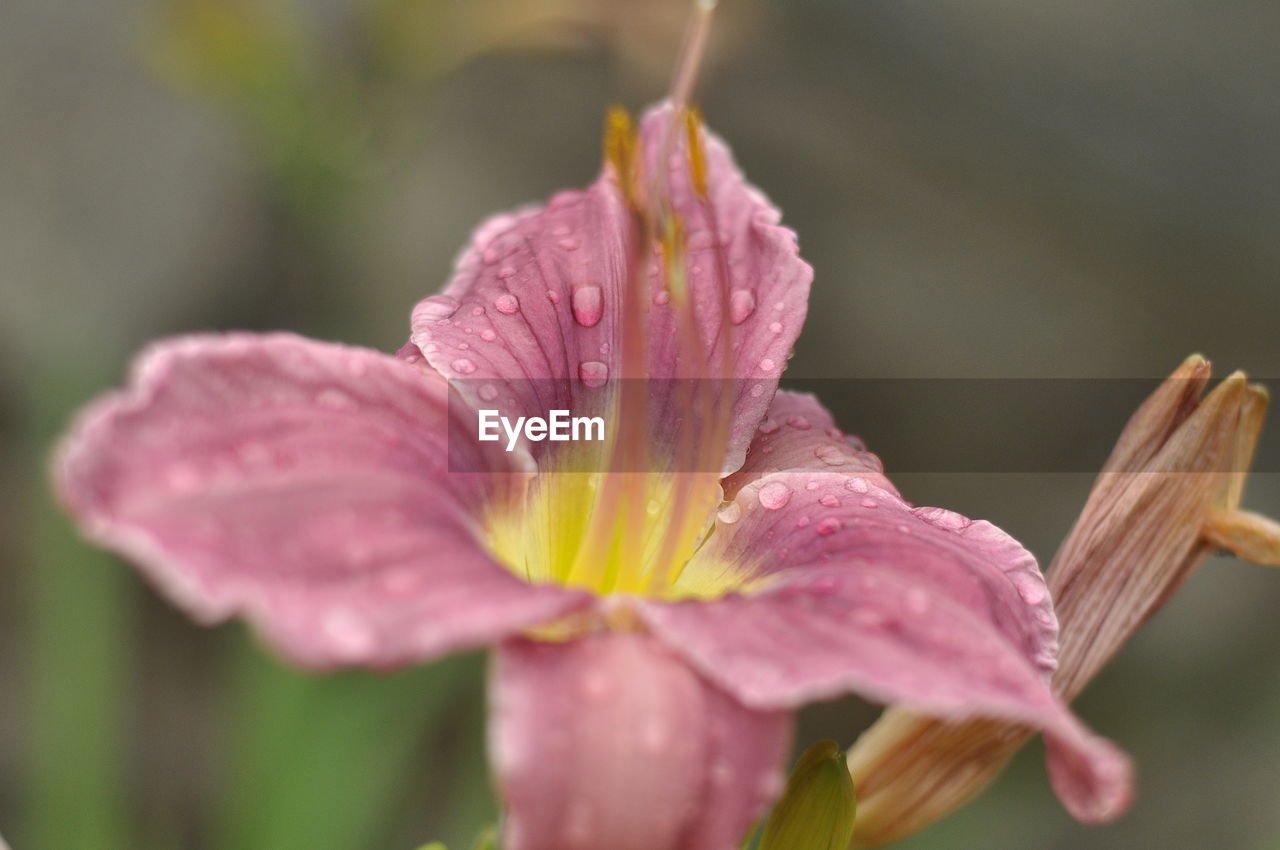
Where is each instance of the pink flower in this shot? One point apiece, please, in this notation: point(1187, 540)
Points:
point(655, 625)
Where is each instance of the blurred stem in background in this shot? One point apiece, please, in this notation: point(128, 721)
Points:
point(317, 760)
point(79, 637)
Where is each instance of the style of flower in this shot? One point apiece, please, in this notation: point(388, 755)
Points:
point(659, 608)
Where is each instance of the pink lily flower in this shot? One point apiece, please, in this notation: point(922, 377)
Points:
point(657, 622)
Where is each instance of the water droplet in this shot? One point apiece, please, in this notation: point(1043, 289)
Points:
point(742, 303)
point(490, 255)
point(774, 496)
point(798, 422)
point(757, 391)
point(463, 366)
point(477, 311)
point(780, 306)
point(560, 230)
point(812, 485)
point(437, 308)
point(507, 304)
point(464, 346)
point(593, 373)
point(1030, 588)
point(588, 305)
point(775, 327)
point(661, 297)
point(488, 392)
point(829, 500)
point(730, 513)
point(553, 296)
point(830, 455)
point(768, 426)
point(870, 503)
point(857, 485)
point(351, 637)
point(803, 522)
point(605, 348)
point(335, 400)
point(568, 243)
point(653, 507)
point(767, 365)
point(829, 525)
point(700, 241)
point(506, 272)
point(488, 334)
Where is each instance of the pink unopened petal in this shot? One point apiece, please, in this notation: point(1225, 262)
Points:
point(532, 319)
point(611, 740)
point(307, 486)
point(875, 629)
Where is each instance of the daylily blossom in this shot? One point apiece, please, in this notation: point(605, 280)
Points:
point(659, 608)
point(1169, 494)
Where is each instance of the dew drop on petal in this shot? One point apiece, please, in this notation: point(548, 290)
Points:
point(757, 391)
point(553, 296)
point(588, 305)
point(477, 311)
point(857, 485)
point(593, 373)
point(798, 422)
point(767, 365)
point(803, 522)
point(730, 513)
point(490, 255)
point(829, 500)
point(768, 426)
point(870, 503)
point(775, 327)
point(437, 307)
point(742, 303)
point(774, 496)
point(488, 392)
point(488, 334)
point(812, 485)
point(335, 400)
point(463, 366)
point(506, 272)
point(830, 455)
point(1031, 589)
point(827, 526)
point(568, 243)
point(661, 297)
point(507, 304)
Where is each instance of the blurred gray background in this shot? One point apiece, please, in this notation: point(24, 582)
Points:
point(985, 188)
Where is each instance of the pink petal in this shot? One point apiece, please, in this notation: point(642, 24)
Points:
point(610, 740)
point(785, 520)
point(534, 310)
point(306, 486)
point(872, 627)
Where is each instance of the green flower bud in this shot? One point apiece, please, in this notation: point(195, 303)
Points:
point(816, 811)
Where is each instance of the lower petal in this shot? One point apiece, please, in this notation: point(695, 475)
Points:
point(874, 630)
point(611, 740)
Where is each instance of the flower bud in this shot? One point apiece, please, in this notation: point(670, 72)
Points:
point(1168, 496)
point(816, 811)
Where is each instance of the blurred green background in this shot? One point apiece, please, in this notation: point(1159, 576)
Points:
point(986, 188)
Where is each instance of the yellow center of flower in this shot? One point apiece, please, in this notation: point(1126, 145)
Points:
point(632, 523)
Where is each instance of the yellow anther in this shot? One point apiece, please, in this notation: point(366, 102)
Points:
point(697, 156)
point(620, 146)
